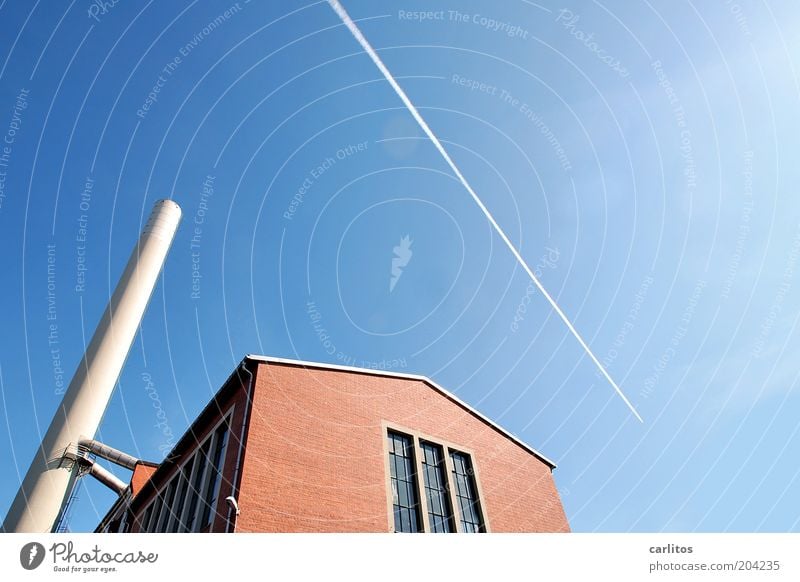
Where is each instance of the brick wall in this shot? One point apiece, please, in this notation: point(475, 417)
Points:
point(314, 459)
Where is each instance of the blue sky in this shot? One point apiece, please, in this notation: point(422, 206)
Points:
point(642, 158)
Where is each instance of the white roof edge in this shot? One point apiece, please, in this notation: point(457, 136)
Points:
point(405, 376)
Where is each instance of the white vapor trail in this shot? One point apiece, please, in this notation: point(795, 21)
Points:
point(348, 22)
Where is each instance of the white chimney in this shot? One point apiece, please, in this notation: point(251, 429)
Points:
point(49, 480)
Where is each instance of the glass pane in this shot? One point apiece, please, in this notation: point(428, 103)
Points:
point(461, 485)
point(403, 497)
point(414, 525)
point(435, 506)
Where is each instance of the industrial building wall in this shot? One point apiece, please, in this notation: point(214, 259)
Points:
point(315, 457)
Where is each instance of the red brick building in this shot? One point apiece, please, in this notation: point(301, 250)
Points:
point(288, 446)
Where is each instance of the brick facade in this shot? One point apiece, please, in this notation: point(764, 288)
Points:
point(314, 452)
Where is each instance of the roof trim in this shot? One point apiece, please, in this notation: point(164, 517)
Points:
point(404, 376)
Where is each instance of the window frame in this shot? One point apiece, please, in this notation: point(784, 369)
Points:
point(446, 447)
point(412, 479)
point(440, 469)
point(471, 482)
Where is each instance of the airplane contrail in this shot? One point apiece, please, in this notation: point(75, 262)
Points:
point(351, 26)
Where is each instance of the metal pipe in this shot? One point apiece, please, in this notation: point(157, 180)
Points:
point(110, 454)
point(47, 484)
point(107, 478)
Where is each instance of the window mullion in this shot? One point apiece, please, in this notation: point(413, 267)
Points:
point(420, 485)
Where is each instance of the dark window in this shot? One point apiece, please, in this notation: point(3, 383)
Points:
point(168, 508)
point(197, 483)
point(215, 475)
point(440, 514)
point(143, 520)
point(150, 526)
point(125, 524)
point(147, 514)
point(183, 488)
point(404, 483)
point(466, 493)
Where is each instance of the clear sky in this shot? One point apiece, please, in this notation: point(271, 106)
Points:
point(642, 157)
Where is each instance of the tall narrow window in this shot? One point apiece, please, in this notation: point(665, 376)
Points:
point(196, 486)
point(440, 514)
point(466, 493)
point(183, 487)
point(215, 475)
point(125, 524)
point(150, 526)
point(404, 483)
point(147, 515)
point(168, 508)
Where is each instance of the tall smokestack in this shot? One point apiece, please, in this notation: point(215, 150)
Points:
point(49, 479)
